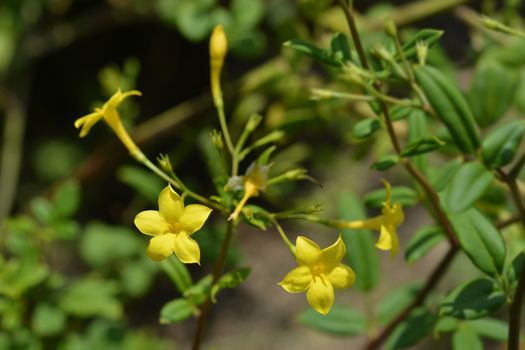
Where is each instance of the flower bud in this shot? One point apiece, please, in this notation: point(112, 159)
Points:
point(218, 45)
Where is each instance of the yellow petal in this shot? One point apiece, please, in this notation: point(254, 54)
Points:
point(320, 295)
point(160, 247)
point(306, 251)
point(194, 217)
point(151, 223)
point(393, 215)
point(341, 277)
point(332, 255)
point(186, 249)
point(87, 122)
point(388, 240)
point(388, 189)
point(170, 205)
point(297, 280)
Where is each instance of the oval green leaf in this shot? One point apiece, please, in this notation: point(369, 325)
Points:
point(400, 194)
point(365, 128)
point(468, 185)
point(422, 242)
point(499, 147)
point(466, 338)
point(176, 310)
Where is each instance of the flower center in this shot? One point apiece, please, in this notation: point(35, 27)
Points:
point(318, 270)
point(175, 227)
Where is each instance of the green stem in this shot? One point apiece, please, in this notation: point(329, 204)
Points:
point(217, 270)
point(219, 105)
point(289, 244)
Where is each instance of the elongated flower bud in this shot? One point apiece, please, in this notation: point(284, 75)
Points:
point(218, 50)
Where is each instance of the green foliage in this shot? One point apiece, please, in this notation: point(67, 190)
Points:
point(415, 327)
point(472, 300)
point(341, 320)
point(421, 242)
point(500, 146)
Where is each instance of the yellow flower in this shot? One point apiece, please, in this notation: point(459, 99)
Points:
point(218, 50)
point(386, 223)
point(252, 182)
point(111, 116)
point(172, 226)
point(319, 272)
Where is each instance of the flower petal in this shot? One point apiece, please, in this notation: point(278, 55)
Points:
point(341, 277)
point(186, 249)
point(331, 256)
point(388, 240)
point(87, 122)
point(170, 205)
point(151, 223)
point(306, 251)
point(393, 215)
point(161, 246)
point(193, 217)
point(388, 189)
point(320, 295)
point(297, 280)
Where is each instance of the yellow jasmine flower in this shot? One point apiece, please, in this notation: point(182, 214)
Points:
point(386, 223)
point(171, 227)
point(111, 116)
point(218, 50)
point(319, 272)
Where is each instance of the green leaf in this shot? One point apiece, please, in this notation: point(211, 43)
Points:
point(499, 147)
point(177, 272)
point(490, 328)
point(466, 338)
point(43, 210)
point(472, 300)
point(365, 128)
point(468, 185)
point(492, 91)
point(360, 251)
point(515, 267)
point(391, 305)
point(199, 291)
point(193, 21)
point(340, 320)
point(324, 56)
point(247, 13)
point(441, 177)
point(103, 244)
point(47, 320)
point(422, 242)
point(230, 280)
point(400, 194)
point(414, 328)
point(422, 145)
point(144, 182)
point(340, 48)
point(385, 163)
point(450, 106)
point(480, 240)
point(175, 311)
point(398, 112)
point(445, 325)
point(67, 198)
point(91, 297)
point(417, 128)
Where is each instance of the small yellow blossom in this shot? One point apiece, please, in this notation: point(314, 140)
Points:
point(386, 223)
point(111, 116)
point(218, 50)
point(319, 272)
point(171, 227)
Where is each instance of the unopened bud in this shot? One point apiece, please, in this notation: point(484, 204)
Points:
point(218, 45)
point(253, 122)
point(391, 29)
point(422, 52)
point(165, 163)
point(216, 138)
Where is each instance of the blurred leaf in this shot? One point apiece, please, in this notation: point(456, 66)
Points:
point(515, 267)
point(18, 276)
point(421, 145)
point(322, 55)
point(247, 13)
point(43, 210)
point(229, 280)
point(385, 162)
point(400, 194)
point(501, 144)
point(340, 47)
point(137, 276)
point(199, 292)
point(467, 186)
point(361, 253)
point(426, 36)
point(142, 181)
point(341, 320)
point(441, 176)
point(414, 328)
point(90, 297)
point(466, 338)
point(396, 301)
point(417, 128)
point(365, 128)
point(177, 272)
point(480, 240)
point(101, 244)
point(47, 320)
point(445, 324)
point(490, 328)
point(56, 159)
point(66, 199)
point(175, 311)
point(422, 242)
point(472, 300)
